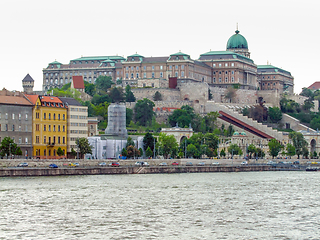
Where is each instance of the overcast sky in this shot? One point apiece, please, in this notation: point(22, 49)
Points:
point(36, 32)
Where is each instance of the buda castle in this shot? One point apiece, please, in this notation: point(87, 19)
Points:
point(221, 69)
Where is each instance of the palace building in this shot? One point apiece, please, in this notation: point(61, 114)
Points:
point(217, 68)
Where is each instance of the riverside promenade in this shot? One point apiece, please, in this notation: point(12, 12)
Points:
point(8, 167)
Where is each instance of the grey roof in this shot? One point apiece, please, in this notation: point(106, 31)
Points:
point(28, 78)
point(155, 59)
point(70, 101)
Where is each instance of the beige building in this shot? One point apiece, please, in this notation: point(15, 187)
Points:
point(77, 116)
point(217, 68)
point(93, 126)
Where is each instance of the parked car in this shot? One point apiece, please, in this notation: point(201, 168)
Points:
point(76, 164)
point(175, 163)
point(146, 164)
point(163, 164)
point(24, 164)
point(72, 165)
point(189, 164)
point(102, 164)
point(52, 165)
point(271, 163)
point(138, 163)
point(244, 163)
point(296, 162)
point(201, 164)
point(114, 164)
point(215, 163)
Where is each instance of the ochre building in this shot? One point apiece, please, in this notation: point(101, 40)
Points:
point(49, 127)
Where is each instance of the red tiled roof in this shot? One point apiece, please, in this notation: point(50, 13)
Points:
point(32, 98)
point(314, 86)
point(50, 99)
point(14, 100)
point(78, 82)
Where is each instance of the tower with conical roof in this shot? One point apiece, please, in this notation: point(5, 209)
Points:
point(238, 44)
point(28, 84)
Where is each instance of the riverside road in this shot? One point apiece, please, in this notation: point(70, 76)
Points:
point(8, 168)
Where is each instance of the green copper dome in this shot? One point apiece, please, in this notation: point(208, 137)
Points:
point(237, 41)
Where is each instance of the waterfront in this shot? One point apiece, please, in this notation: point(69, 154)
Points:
point(245, 205)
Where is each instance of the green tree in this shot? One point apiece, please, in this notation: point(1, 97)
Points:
point(298, 142)
point(143, 112)
point(124, 152)
point(60, 152)
point(211, 140)
point(308, 104)
point(275, 114)
point(73, 152)
point(140, 152)
point(234, 149)
point(83, 146)
point(274, 147)
point(306, 92)
point(149, 152)
point(132, 152)
point(251, 150)
point(184, 117)
point(89, 88)
point(116, 94)
point(167, 144)
point(222, 153)
point(119, 82)
point(157, 96)
point(148, 141)
point(129, 94)
point(8, 147)
point(291, 150)
point(103, 83)
point(129, 116)
point(305, 152)
point(210, 121)
point(192, 151)
point(260, 153)
point(130, 142)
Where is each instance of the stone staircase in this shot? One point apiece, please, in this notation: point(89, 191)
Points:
point(211, 107)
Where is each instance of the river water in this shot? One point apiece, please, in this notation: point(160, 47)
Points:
point(245, 205)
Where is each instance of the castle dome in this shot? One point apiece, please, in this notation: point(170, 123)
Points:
point(237, 41)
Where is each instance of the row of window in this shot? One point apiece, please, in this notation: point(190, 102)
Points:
point(49, 140)
point(225, 80)
point(78, 117)
point(214, 72)
point(268, 84)
point(53, 115)
point(14, 128)
point(13, 116)
point(49, 128)
point(153, 75)
point(78, 124)
point(78, 109)
point(79, 131)
point(153, 67)
point(220, 65)
point(38, 152)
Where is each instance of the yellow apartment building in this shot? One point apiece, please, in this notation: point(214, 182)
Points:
point(49, 126)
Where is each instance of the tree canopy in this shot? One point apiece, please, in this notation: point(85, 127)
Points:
point(143, 112)
point(168, 145)
point(103, 83)
point(298, 142)
point(83, 146)
point(8, 147)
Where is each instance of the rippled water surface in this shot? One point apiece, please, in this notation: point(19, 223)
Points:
point(252, 205)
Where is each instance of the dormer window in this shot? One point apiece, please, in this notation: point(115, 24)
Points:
point(177, 58)
point(132, 59)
